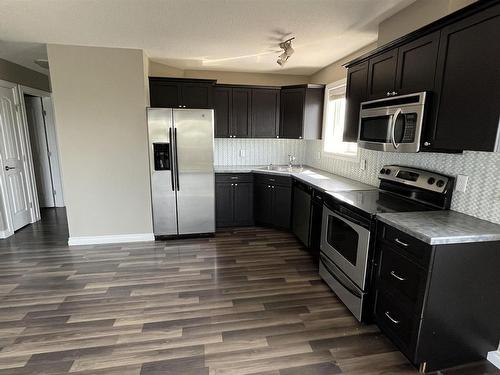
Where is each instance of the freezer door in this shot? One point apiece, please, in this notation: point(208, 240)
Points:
point(162, 171)
point(194, 148)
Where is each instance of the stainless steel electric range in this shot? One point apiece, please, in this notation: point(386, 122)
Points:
point(348, 227)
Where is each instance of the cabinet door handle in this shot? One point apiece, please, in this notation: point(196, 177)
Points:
point(388, 315)
point(397, 277)
point(398, 241)
point(272, 186)
point(388, 93)
point(235, 184)
point(232, 184)
point(427, 143)
point(394, 93)
point(268, 186)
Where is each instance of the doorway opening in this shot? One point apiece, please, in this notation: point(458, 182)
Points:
point(44, 150)
point(30, 177)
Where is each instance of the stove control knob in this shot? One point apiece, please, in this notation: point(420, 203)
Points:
point(382, 171)
point(387, 171)
point(440, 183)
point(431, 180)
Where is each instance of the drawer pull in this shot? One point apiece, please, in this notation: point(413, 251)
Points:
point(397, 240)
point(391, 318)
point(393, 274)
point(234, 178)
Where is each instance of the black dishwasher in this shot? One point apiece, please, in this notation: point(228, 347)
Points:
point(301, 211)
point(316, 219)
point(307, 215)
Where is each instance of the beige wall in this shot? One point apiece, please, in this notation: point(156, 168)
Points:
point(335, 70)
point(99, 104)
point(19, 74)
point(248, 78)
point(157, 69)
point(418, 14)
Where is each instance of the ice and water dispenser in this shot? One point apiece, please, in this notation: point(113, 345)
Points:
point(161, 152)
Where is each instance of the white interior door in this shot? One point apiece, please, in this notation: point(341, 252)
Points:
point(13, 155)
point(39, 150)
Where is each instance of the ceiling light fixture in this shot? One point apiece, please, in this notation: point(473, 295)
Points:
point(286, 46)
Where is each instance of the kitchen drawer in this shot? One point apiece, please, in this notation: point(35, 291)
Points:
point(416, 249)
point(396, 322)
point(271, 179)
point(233, 177)
point(397, 273)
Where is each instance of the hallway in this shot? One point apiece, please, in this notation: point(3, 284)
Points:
point(248, 301)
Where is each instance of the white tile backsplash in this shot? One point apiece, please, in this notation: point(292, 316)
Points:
point(481, 198)
point(258, 151)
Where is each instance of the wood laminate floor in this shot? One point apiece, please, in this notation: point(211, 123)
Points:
point(248, 301)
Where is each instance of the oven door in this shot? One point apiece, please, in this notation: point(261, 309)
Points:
point(345, 289)
point(346, 244)
point(395, 129)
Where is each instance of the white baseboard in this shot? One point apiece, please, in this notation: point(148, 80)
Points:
point(494, 357)
point(118, 238)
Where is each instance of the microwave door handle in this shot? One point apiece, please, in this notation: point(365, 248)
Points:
point(393, 129)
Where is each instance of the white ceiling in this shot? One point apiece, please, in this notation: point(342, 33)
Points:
point(233, 35)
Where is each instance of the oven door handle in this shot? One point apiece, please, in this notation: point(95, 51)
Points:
point(393, 128)
point(350, 219)
point(351, 290)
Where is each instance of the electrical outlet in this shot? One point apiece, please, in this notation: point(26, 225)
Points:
point(362, 164)
point(242, 153)
point(461, 183)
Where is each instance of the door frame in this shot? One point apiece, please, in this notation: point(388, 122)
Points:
point(51, 136)
point(28, 166)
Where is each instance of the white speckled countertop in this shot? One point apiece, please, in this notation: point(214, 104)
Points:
point(442, 227)
point(320, 180)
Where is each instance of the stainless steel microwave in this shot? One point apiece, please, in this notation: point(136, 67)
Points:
point(392, 124)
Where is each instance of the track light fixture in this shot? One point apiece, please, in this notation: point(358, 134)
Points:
point(286, 46)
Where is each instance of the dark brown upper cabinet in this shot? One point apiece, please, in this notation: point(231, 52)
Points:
point(241, 112)
point(223, 101)
point(232, 112)
point(357, 76)
point(164, 94)
point(265, 113)
point(382, 74)
point(416, 66)
point(456, 60)
point(407, 69)
point(468, 85)
point(301, 114)
point(180, 93)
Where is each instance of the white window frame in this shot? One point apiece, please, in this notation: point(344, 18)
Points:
point(327, 124)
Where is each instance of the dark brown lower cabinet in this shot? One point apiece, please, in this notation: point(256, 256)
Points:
point(438, 303)
point(273, 200)
point(234, 200)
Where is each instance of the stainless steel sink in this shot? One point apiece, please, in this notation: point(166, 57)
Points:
point(282, 168)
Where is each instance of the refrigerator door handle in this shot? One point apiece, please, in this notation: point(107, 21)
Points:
point(170, 140)
point(176, 160)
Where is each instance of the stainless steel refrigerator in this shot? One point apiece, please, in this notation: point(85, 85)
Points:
point(181, 143)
